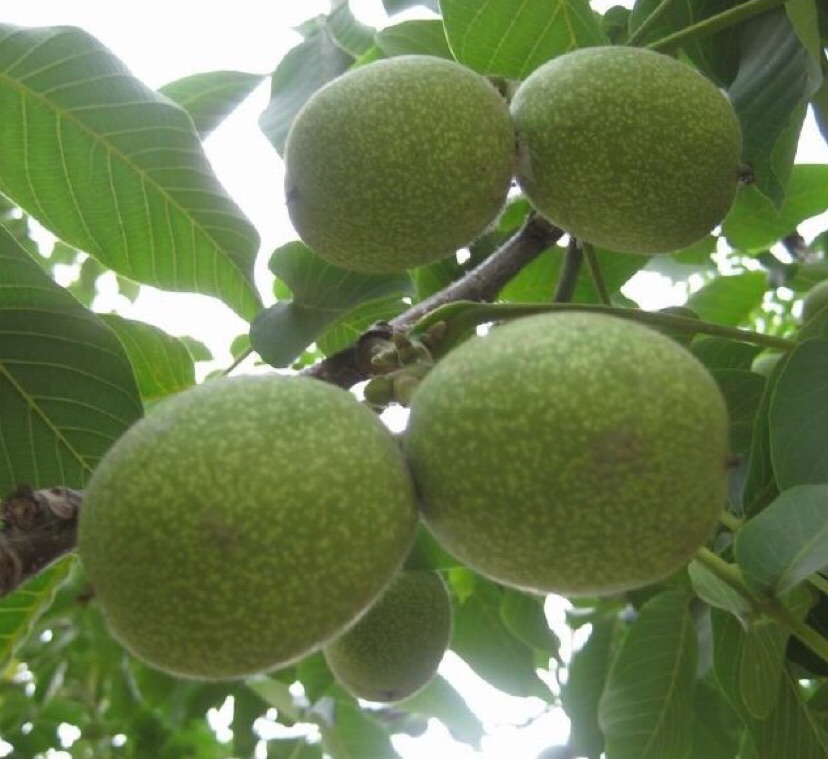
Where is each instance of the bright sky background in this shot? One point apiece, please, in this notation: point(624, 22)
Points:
point(163, 41)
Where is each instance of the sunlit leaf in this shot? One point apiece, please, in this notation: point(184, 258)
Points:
point(484, 642)
point(20, 610)
point(162, 363)
point(729, 300)
point(440, 700)
point(502, 38)
point(209, 97)
point(645, 711)
point(312, 63)
point(753, 223)
point(415, 37)
point(68, 391)
point(115, 169)
point(581, 694)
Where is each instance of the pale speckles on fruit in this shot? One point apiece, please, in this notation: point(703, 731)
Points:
point(570, 453)
point(243, 523)
point(627, 148)
point(395, 649)
point(398, 163)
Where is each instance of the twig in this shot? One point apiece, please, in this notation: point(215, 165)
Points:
point(646, 26)
point(39, 526)
point(573, 261)
point(716, 23)
point(595, 272)
point(481, 284)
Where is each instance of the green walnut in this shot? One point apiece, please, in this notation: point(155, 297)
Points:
point(244, 523)
point(394, 650)
point(627, 148)
point(579, 454)
point(398, 163)
point(815, 300)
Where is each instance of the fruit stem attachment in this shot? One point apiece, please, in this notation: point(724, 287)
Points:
point(715, 23)
point(766, 605)
point(461, 317)
point(595, 272)
point(647, 25)
point(730, 521)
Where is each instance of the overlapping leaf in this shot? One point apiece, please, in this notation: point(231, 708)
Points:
point(209, 97)
point(753, 222)
point(115, 169)
point(776, 79)
point(67, 389)
point(322, 295)
point(798, 417)
point(414, 37)
point(312, 63)
point(162, 363)
point(788, 541)
point(511, 39)
point(646, 709)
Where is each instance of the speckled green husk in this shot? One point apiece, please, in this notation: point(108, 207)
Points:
point(395, 649)
point(627, 148)
point(244, 523)
point(570, 453)
point(398, 163)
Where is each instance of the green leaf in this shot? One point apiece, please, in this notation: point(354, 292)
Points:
point(67, 387)
point(428, 554)
point(645, 711)
point(483, 641)
point(354, 37)
point(748, 662)
point(115, 169)
point(730, 300)
point(440, 700)
point(209, 97)
point(523, 614)
point(20, 610)
point(501, 38)
point(162, 363)
point(743, 392)
point(798, 417)
point(314, 62)
point(347, 329)
point(722, 353)
point(355, 734)
point(791, 730)
point(788, 541)
point(717, 729)
point(776, 79)
point(760, 483)
point(753, 222)
point(247, 708)
point(580, 695)
point(322, 295)
point(293, 748)
point(716, 592)
point(717, 55)
point(397, 6)
point(415, 37)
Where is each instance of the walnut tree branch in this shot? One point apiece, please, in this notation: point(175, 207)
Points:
point(482, 284)
point(38, 527)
